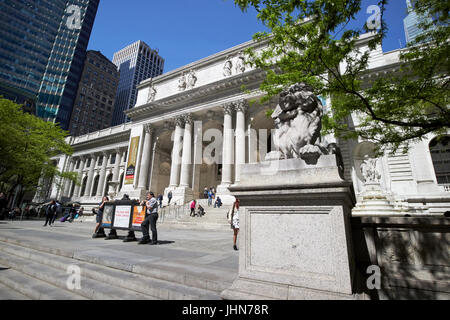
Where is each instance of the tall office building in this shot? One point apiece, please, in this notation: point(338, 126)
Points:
point(412, 21)
point(94, 102)
point(42, 49)
point(136, 63)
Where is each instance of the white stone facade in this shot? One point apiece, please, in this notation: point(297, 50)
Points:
point(196, 125)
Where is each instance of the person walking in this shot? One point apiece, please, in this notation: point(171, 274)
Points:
point(99, 217)
point(72, 213)
point(233, 219)
point(169, 196)
point(58, 210)
point(205, 193)
point(49, 213)
point(151, 216)
point(210, 196)
point(193, 203)
point(160, 199)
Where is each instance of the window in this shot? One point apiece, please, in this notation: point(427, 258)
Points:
point(440, 155)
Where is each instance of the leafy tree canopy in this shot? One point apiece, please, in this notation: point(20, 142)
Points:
point(27, 145)
point(311, 42)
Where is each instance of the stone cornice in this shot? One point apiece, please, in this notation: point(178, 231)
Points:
point(251, 79)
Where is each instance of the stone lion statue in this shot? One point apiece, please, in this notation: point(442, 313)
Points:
point(298, 122)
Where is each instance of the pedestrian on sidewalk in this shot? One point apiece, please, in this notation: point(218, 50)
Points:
point(233, 220)
point(193, 203)
point(58, 210)
point(169, 196)
point(50, 213)
point(72, 213)
point(151, 216)
point(100, 215)
point(160, 199)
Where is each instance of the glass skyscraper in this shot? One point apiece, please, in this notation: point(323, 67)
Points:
point(136, 62)
point(411, 23)
point(42, 49)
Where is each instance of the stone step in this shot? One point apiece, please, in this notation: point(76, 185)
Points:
point(7, 293)
point(164, 281)
point(90, 289)
point(34, 288)
point(198, 226)
point(121, 284)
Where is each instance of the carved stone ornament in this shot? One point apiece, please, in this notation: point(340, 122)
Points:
point(151, 94)
point(188, 118)
point(369, 170)
point(179, 121)
point(241, 105)
point(191, 80)
point(298, 121)
point(228, 108)
point(227, 68)
point(240, 63)
point(148, 128)
point(182, 82)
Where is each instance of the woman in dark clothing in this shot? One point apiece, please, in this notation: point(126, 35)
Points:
point(100, 214)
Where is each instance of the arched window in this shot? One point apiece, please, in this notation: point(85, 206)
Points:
point(440, 155)
point(94, 188)
point(83, 186)
point(108, 179)
point(121, 182)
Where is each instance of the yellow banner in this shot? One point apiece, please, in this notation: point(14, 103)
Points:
point(132, 158)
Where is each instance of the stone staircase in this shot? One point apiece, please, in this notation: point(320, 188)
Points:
point(33, 271)
point(179, 216)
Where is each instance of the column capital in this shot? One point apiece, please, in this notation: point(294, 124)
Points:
point(241, 105)
point(228, 108)
point(149, 128)
point(179, 121)
point(188, 119)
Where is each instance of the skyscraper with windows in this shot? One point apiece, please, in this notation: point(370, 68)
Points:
point(136, 63)
point(64, 67)
point(412, 21)
point(94, 102)
point(42, 49)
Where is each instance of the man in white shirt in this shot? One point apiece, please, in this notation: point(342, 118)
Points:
point(151, 216)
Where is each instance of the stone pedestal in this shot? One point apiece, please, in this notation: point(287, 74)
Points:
point(375, 202)
point(295, 234)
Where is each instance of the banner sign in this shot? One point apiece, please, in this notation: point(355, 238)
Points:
point(122, 217)
point(132, 159)
point(108, 213)
point(138, 217)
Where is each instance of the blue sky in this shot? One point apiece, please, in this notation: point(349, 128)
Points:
point(188, 30)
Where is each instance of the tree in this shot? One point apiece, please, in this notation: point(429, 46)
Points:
point(311, 42)
point(27, 145)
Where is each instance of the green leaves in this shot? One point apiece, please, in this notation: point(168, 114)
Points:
point(310, 42)
point(27, 145)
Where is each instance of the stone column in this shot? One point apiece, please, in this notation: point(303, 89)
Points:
point(116, 171)
point(176, 161)
point(146, 156)
point(186, 161)
point(252, 144)
point(90, 178)
point(69, 182)
point(241, 107)
point(80, 176)
point(101, 180)
point(227, 154)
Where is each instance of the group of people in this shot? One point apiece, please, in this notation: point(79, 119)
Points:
point(55, 209)
point(200, 212)
point(210, 194)
point(151, 217)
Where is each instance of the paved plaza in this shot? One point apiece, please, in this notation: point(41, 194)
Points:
point(187, 264)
